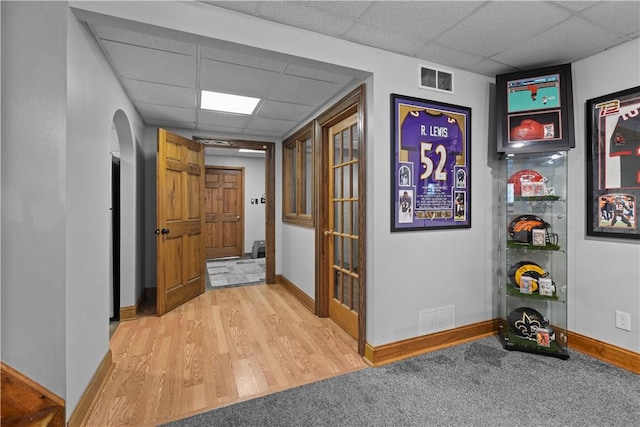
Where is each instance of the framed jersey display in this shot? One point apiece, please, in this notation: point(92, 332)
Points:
point(613, 164)
point(430, 166)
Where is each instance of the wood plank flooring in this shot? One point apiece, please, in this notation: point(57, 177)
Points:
point(223, 347)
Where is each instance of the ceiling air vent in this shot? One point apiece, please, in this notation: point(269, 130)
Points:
point(434, 79)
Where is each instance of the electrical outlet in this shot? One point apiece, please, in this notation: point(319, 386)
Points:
point(623, 320)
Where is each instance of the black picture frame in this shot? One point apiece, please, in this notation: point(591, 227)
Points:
point(534, 110)
point(613, 164)
point(430, 165)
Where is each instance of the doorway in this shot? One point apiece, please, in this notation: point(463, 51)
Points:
point(114, 293)
point(341, 230)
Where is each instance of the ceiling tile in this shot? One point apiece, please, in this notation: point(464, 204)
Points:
point(545, 49)
point(254, 61)
point(422, 20)
point(348, 9)
point(315, 73)
point(299, 15)
point(433, 52)
point(495, 19)
point(576, 5)
point(492, 68)
point(145, 40)
point(303, 91)
point(155, 93)
point(221, 119)
point(152, 65)
point(284, 110)
point(623, 19)
point(236, 79)
point(272, 125)
point(382, 39)
point(220, 129)
point(163, 112)
point(241, 6)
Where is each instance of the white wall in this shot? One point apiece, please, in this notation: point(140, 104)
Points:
point(604, 274)
point(33, 191)
point(95, 102)
point(56, 190)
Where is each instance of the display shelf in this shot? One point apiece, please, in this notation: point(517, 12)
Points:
point(533, 254)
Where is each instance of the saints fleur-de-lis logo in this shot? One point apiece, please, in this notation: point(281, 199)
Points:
point(527, 326)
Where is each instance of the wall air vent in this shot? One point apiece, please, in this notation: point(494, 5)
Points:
point(435, 79)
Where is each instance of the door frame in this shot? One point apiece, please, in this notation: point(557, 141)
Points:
point(269, 187)
point(353, 103)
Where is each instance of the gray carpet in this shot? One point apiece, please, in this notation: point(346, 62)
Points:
point(473, 384)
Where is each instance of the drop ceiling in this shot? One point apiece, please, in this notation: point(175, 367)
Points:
point(163, 76)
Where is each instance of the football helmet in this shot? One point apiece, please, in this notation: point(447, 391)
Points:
point(527, 176)
point(529, 269)
point(521, 229)
point(525, 321)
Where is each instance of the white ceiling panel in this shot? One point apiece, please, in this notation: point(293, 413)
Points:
point(284, 110)
point(152, 65)
point(236, 79)
point(161, 74)
point(544, 49)
point(383, 39)
point(494, 20)
point(304, 17)
point(156, 93)
point(144, 40)
point(213, 118)
point(314, 73)
point(254, 61)
point(624, 19)
point(163, 112)
point(303, 91)
point(272, 125)
point(422, 20)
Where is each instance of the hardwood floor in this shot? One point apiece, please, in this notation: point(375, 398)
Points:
point(223, 347)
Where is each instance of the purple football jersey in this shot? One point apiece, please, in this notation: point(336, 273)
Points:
point(432, 141)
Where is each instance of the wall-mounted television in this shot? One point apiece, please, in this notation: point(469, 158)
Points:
point(535, 110)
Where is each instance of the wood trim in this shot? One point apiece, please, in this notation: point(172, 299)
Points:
point(393, 352)
point(25, 402)
point(91, 393)
point(353, 103)
point(608, 353)
point(305, 299)
point(131, 312)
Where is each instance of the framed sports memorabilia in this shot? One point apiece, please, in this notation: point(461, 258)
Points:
point(430, 165)
point(613, 164)
point(534, 110)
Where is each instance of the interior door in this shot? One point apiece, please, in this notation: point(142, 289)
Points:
point(180, 221)
point(224, 212)
point(343, 225)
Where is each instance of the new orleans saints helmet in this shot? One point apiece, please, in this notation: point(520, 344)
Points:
point(521, 229)
point(525, 321)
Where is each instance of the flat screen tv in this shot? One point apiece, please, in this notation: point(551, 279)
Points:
point(535, 110)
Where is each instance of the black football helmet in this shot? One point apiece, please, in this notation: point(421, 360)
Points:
point(525, 321)
point(521, 229)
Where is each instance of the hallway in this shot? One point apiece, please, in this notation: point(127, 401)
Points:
point(223, 347)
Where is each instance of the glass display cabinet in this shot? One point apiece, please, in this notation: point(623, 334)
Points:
point(533, 254)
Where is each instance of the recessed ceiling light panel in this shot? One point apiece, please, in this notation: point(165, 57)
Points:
point(227, 103)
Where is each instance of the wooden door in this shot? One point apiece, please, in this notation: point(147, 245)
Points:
point(224, 212)
point(343, 217)
point(180, 221)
